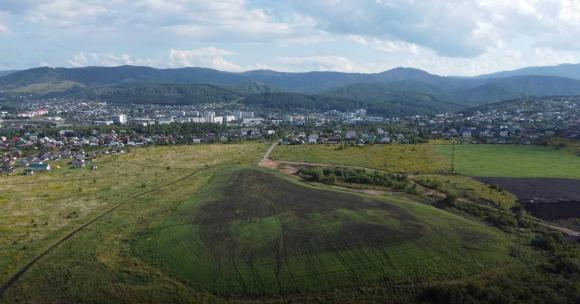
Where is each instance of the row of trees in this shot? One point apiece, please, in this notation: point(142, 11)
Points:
point(356, 176)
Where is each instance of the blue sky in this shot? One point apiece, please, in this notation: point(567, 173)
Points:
point(448, 37)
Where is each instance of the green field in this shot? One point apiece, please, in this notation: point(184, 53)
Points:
point(96, 266)
point(202, 224)
point(422, 158)
point(252, 233)
point(470, 159)
point(513, 161)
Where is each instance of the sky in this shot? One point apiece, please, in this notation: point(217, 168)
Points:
point(446, 37)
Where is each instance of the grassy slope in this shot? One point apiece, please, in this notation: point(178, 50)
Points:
point(463, 186)
point(297, 239)
point(397, 158)
point(513, 161)
point(96, 266)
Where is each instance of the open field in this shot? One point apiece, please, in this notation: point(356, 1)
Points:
point(201, 224)
point(422, 158)
point(471, 160)
point(513, 161)
point(36, 211)
point(254, 233)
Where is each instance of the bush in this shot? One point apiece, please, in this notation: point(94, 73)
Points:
point(547, 241)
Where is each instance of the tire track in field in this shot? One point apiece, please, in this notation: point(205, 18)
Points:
point(12, 280)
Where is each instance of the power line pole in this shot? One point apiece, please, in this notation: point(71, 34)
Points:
point(453, 157)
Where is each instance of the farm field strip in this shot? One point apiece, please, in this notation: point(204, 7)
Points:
point(470, 159)
point(421, 158)
point(513, 161)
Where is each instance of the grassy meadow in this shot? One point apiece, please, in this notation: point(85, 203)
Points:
point(470, 160)
point(466, 187)
point(203, 224)
point(421, 158)
point(36, 211)
point(513, 161)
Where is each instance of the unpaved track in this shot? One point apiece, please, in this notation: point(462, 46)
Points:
point(5, 286)
point(266, 159)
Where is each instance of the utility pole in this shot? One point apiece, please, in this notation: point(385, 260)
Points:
point(453, 157)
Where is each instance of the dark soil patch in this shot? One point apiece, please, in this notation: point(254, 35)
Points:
point(547, 198)
point(251, 195)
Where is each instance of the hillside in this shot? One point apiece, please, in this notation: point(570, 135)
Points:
point(401, 91)
point(4, 73)
point(152, 93)
point(285, 101)
point(495, 90)
point(562, 70)
point(260, 234)
point(397, 98)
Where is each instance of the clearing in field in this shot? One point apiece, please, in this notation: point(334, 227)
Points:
point(251, 232)
point(513, 161)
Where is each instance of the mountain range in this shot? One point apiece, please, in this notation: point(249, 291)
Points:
point(401, 91)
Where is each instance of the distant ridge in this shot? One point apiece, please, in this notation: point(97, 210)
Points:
point(4, 73)
point(400, 91)
point(566, 70)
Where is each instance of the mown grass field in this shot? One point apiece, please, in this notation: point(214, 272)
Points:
point(96, 265)
point(422, 158)
point(252, 233)
point(513, 161)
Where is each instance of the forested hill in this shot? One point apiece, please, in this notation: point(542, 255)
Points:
point(394, 92)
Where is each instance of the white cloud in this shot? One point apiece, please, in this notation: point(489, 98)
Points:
point(3, 24)
point(209, 57)
point(466, 28)
point(4, 29)
point(461, 37)
point(201, 19)
point(319, 63)
point(83, 59)
point(396, 46)
point(446, 26)
point(67, 13)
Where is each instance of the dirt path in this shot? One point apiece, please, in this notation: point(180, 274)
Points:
point(566, 231)
point(266, 160)
point(5, 286)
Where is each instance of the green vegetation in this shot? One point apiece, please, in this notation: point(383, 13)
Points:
point(252, 233)
point(41, 209)
point(356, 176)
point(201, 224)
point(513, 161)
point(471, 160)
point(421, 158)
point(399, 98)
point(159, 93)
point(553, 281)
point(462, 186)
